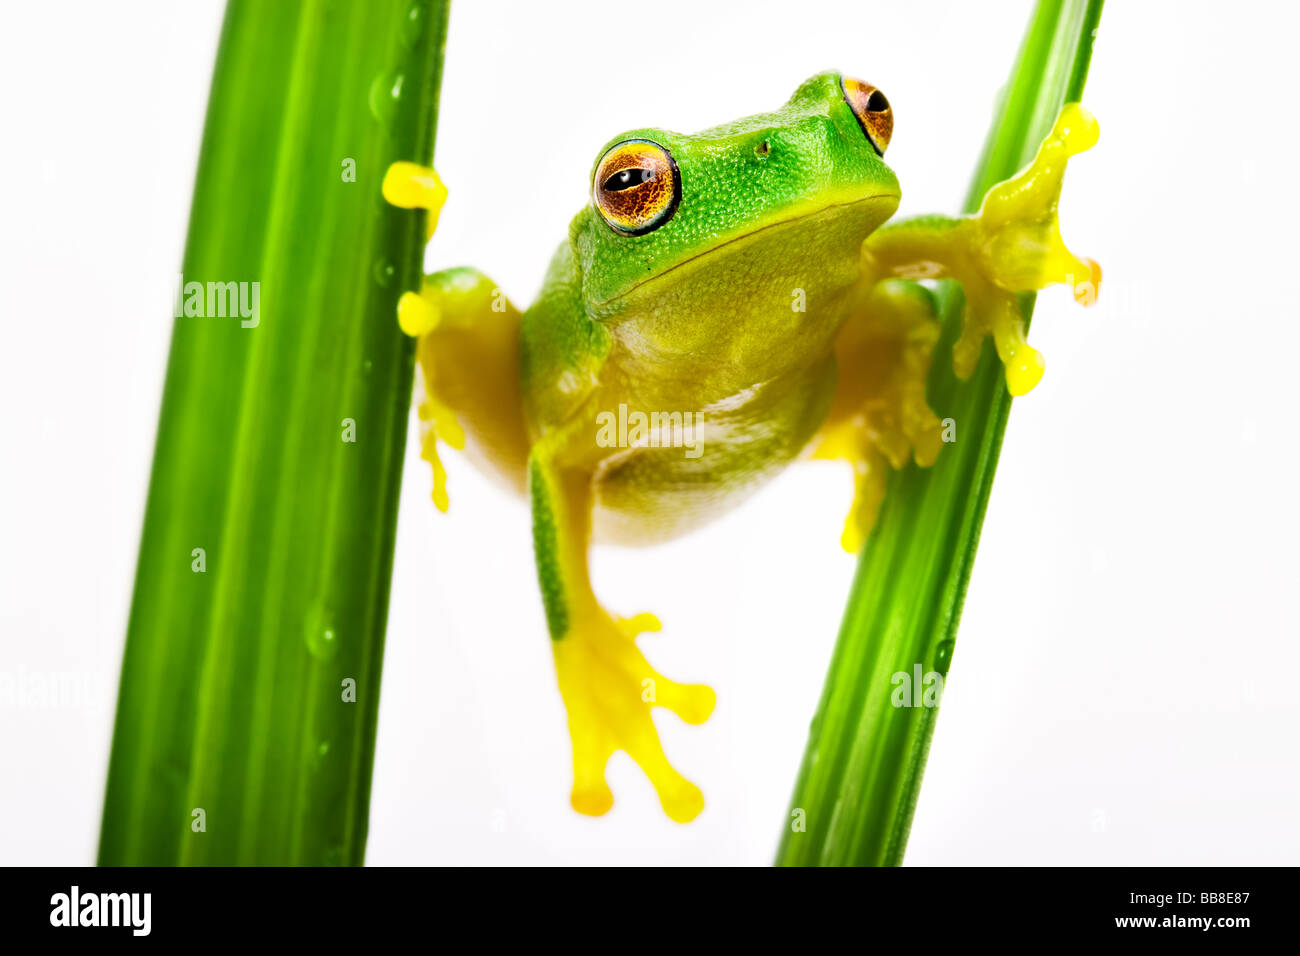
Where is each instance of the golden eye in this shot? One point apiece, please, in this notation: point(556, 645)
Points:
point(637, 187)
point(872, 111)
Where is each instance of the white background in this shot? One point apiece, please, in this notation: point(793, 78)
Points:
point(1123, 688)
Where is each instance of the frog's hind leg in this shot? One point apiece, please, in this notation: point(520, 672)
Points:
point(468, 355)
point(609, 688)
point(879, 417)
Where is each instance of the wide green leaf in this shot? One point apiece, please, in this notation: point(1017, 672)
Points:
point(246, 716)
point(861, 773)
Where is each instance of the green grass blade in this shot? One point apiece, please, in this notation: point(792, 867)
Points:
point(231, 698)
point(862, 769)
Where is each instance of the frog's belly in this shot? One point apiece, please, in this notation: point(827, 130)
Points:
point(646, 495)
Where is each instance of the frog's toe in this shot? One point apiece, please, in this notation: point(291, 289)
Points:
point(680, 798)
point(919, 427)
point(412, 186)
point(1024, 366)
point(693, 703)
point(420, 314)
point(997, 313)
point(609, 690)
point(643, 623)
point(591, 794)
point(869, 476)
point(895, 429)
point(1086, 288)
point(417, 314)
point(891, 437)
point(438, 423)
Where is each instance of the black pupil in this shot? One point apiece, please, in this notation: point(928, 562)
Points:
point(877, 103)
point(627, 178)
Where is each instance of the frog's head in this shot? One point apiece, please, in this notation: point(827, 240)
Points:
point(781, 200)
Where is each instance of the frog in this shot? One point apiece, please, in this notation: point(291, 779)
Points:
point(728, 303)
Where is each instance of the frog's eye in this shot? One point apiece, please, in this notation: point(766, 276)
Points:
point(637, 187)
point(872, 111)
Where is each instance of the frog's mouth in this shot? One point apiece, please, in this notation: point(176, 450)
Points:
point(828, 211)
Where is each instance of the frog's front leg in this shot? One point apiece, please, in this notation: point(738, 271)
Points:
point(468, 356)
point(879, 417)
point(1013, 245)
point(607, 685)
point(467, 351)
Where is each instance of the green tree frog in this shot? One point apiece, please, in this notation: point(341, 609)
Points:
point(728, 303)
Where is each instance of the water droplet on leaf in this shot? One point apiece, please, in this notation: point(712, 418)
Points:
point(413, 27)
point(386, 97)
point(943, 657)
point(322, 639)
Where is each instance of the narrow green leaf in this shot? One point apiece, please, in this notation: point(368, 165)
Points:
point(263, 576)
point(862, 770)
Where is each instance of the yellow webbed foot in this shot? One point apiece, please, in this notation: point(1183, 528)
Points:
point(1018, 233)
point(1018, 247)
point(609, 690)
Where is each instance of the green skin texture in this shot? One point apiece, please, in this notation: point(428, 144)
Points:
point(697, 316)
point(675, 319)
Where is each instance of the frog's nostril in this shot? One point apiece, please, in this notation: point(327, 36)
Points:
point(763, 149)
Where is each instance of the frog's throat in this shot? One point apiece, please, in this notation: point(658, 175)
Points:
point(745, 237)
